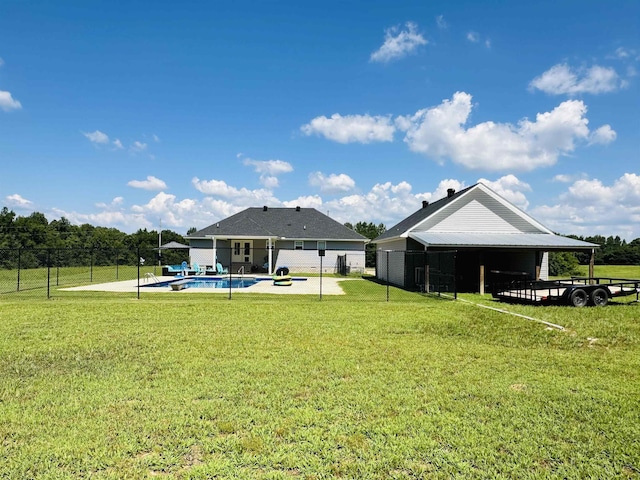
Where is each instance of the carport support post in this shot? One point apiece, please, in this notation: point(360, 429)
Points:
point(592, 261)
point(481, 280)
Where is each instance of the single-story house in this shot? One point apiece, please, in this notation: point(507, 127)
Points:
point(262, 239)
point(486, 232)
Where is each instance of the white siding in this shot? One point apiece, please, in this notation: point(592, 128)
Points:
point(201, 256)
point(478, 212)
point(390, 266)
point(474, 217)
point(308, 260)
point(544, 267)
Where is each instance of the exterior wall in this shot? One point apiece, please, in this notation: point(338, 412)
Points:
point(390, 266)
point(390, 261)
point(201, 252)
point(544, 267)
point(308, 261)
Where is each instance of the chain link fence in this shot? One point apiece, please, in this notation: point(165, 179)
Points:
point(229, 273)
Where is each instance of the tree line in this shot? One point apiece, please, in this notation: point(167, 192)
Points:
point(32, 240)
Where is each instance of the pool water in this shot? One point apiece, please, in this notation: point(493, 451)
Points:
point(210, 283)
point(222, 283)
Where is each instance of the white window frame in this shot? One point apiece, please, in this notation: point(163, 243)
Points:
point(298, 244)
point(322, 245)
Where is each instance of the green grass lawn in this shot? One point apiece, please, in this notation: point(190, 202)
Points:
point(268, 387)
point(94, 385)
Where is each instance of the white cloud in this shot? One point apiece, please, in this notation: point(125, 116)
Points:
point(151, 183)
point(590, 207)
point(18, 201)
point(97, 137)
point(309, 201)
point(386, 203)
point(137, 147)
point(118, 144)
point(116, 202)
point(1, 62)
point(565, 178)
point(561, 79)
point(269, 167)
point(117, 219)
point(442, 24)
point(439, 132)
point(156, 138)
point(332, 183)
point(473, 37)
point(511, 188)
point(398, 43)
point(269, 170)
point(165, 206)
point(8, 103)
point(351, 128)
point(240, 196)
point(603, 135)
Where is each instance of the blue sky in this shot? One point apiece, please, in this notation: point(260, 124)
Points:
point(128, 114)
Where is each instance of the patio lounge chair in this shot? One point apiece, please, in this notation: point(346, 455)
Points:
point(199, 270)
point(220, 269)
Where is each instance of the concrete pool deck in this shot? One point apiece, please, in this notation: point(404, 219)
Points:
point(310, 286)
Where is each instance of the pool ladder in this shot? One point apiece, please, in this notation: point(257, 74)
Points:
point(241, 270)
point(151, 276)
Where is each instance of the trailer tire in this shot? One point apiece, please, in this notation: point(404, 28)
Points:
point(578, 298)
point(600, 297)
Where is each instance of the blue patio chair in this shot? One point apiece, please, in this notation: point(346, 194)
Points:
point(220, 269)
point(199, 270)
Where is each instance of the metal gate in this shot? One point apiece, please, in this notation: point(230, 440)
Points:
point(440, 272)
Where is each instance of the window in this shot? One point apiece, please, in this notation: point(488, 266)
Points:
point(298, 245)
point(322, 245)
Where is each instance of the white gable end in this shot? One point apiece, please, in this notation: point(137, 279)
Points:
point(474, 217)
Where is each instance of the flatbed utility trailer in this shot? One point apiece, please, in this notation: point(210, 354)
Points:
point(574, 291)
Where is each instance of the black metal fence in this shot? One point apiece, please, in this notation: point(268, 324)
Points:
point(225, 272)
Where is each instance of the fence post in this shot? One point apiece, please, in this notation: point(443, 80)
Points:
point(91, 268)
point(48, 273)
point(117, 261)
point(388, 279)
point(57, 267)
point(138, 262)
point(19, 265)
point(455, 276)
point(320, 277)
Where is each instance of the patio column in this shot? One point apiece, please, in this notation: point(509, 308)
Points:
point(270, 254)
point(214, 252)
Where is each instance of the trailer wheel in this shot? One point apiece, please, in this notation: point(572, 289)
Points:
point(578, 298)
point(599, 297)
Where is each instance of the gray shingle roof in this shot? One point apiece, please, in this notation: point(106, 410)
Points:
point(293, 223)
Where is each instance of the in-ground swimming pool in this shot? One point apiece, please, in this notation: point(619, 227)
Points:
point(208, 282)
